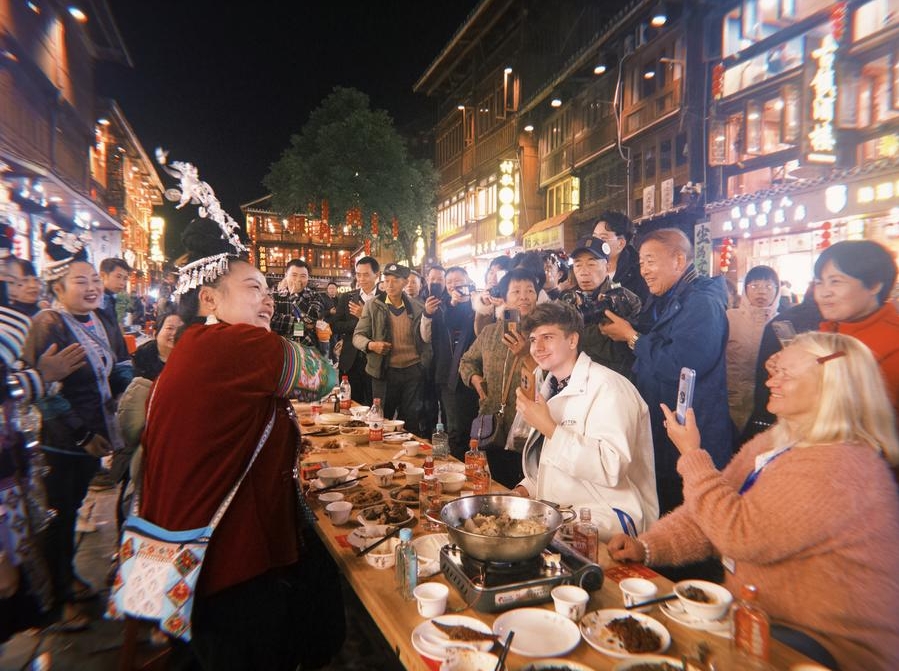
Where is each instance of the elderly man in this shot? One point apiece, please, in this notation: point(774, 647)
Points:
point(349, 309)
point(389, 332)
point(593, 293)
point(297, 305)
point(683, 324)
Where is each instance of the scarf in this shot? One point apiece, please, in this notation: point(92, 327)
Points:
point(102, 361)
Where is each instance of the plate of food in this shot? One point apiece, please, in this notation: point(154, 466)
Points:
point(384, 513)
point(320, 430)
point(649, 663)
point(407, 495)
point(333, 418)
point(556, 665)
point(538, 632)
point(365, 497)
point(352, 475)
point(432, 637)
point(398, 466)
point(450, 467)
point(397, 438)
point(362, 537)
point(355, 434)
point(675, 611)
point(621, 633)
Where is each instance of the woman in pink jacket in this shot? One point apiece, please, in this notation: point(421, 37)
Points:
point(807, 511)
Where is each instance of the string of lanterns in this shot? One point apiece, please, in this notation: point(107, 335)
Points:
point(727, 254)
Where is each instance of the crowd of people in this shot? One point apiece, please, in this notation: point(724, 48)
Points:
point(564, 365)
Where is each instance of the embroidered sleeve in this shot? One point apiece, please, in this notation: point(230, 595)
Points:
point(305, 368)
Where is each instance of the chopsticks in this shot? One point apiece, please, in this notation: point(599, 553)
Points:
point(371, 547)
point(339, 484)
point(501, 662)
point(667, 597)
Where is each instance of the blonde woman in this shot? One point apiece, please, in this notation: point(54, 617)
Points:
point(807, 511)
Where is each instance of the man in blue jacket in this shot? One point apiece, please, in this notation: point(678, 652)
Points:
point(682, 324)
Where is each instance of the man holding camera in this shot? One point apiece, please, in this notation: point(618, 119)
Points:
point(448, 324)
point(595, 293)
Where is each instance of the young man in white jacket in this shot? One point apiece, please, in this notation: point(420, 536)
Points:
point(590, 443)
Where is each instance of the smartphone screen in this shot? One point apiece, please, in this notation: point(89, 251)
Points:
point(528, 383)
point(784, 331)
point(435, 289)
point(511, 319)
point(685, 393)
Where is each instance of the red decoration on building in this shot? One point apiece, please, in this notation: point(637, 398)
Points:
point(727, 254)
point(311, 208)
point(718, 81)
point(374, 223)
point(838, 21)
point(825, 235)
point(367, 247)
point(396, 227)
point(325, 210)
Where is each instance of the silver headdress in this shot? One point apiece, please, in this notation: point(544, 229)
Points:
point(197, 192)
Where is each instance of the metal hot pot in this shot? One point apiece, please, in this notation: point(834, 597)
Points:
point(501, 548)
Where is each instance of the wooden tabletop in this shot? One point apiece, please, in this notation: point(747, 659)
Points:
point(397, 618)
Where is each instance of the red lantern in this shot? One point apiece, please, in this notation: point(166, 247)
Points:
point(825, 235)
point(367, 247)
point(718, 81)
point(726, 254)
point(374, 223)
point(838, 21)
point(396, 228)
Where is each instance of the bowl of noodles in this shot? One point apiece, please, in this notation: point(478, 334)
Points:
point(501, 527)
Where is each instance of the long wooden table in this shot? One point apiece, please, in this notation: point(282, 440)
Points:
point(397, 618)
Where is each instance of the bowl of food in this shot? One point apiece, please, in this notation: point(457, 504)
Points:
point(407, 495)
point(354, 434)
point(383, 513)
point(359, 411)
point(463, 659)
point(703, 599)
point(332, 475)
point(383, 556)
point(451, 482)
point(393, 424)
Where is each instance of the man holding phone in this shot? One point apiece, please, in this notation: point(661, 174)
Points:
point(349, 309)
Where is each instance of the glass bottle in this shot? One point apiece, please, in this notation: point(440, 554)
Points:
point(334, 399)
point(480, 483)
point(345, 394)
point(375, 420)
point(585, 538)
point(429, 502)
point(428, 464)
point(473, 458)
point(440, 442)
point(752, 629)
point(406, 565)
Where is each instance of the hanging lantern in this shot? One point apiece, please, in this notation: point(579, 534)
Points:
point(374, 223)
point(825, 235)
point(396, 228)
point(727, 254)
point(838, 21)
point(325, 210)
point(718, 81)
point(367, 246)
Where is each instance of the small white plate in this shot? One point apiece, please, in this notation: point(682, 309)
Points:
point(318, 484)
point(675, 611)
point(428, 550)
point(362, 537)
point(538, 632)
point(438, 652)
point(593, 629)
point(333, 418)
point(397, 438)
point(637, 660)
point(450, 467)
point(559, 664)
point(370, 523)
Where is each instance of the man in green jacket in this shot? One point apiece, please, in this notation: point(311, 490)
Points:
point(389, 332)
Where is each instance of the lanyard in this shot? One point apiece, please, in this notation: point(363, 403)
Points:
point(752, 477)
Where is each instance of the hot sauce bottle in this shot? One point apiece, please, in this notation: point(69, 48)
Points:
point(752, 630)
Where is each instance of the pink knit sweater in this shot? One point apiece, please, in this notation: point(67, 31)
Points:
point(818, 534)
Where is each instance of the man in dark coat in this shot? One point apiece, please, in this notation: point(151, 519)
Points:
point(349, 308)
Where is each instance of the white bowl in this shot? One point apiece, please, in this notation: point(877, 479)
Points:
point(412, 447)
point(332, 475)
point(359, 411)
point(462, 659)
point(451, 482)
point(720, 599)
point(355, 434)
point(333, 418)
point(339, 511)
point(393, 424)
point(414, 474)
point(384, 476)
point(383, 556)
point(330, 497)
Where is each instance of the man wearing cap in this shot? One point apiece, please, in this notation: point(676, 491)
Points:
point(594, 293)
point(389, 332)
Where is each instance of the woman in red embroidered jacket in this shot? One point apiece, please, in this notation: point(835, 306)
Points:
point(206, 415)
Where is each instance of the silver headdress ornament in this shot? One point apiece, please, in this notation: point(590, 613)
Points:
point(197, 192)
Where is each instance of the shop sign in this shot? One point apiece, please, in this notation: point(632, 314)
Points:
point(667, 194)
point(649, 200)
point(822, 138)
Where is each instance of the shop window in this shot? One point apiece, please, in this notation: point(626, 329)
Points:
point(756, 20)
point(649, 163)
point(791, 114)
point(681, 151)
point(874, 16)
point(637, 167)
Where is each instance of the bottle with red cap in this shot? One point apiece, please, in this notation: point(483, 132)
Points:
point(752, 629)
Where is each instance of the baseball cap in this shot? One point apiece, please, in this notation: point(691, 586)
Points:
point(598, 248)
point(396, 270)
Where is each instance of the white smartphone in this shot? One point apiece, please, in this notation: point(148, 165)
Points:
point(784, 331)
point(685, 393)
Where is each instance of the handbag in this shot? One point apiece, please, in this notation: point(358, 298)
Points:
point(158, 568)
point(488, 428)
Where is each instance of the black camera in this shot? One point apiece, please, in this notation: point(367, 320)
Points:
point(593, 305)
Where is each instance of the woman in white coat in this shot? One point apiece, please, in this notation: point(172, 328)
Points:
point(591, 444)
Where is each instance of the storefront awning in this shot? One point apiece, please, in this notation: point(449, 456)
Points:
point(548, 233)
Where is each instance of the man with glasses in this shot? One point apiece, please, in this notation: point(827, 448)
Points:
point(349, 309)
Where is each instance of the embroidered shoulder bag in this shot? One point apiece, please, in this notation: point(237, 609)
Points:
point(159, 569)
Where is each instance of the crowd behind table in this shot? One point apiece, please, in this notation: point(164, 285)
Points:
point(605, 328)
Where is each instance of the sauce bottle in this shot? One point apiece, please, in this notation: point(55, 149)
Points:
point(473, 458)
point(752, 629)
point(586, 536)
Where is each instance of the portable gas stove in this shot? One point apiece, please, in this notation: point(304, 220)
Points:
point(490, 587)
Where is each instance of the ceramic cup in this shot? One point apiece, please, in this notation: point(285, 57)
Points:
point(431, 598)
point(414, 474)
point(384, 476)
point(570, 601)
point(339, 511)
point(412, 447)
point(638, 590)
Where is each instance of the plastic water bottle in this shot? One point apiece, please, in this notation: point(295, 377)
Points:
point(406, 565)
point(375, 420)
point(345, 391)
point(440, 443)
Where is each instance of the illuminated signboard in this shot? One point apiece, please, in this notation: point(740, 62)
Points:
point(157, 229)
point(821, 138)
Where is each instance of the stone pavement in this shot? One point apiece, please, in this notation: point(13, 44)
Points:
point(97, 649)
